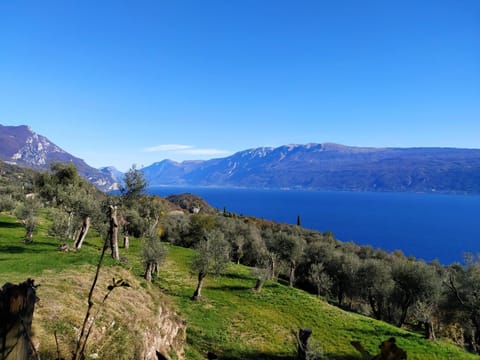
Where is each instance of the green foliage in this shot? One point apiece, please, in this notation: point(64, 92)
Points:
point(321, 280)
point(7, 203)
point(134, 184)
point(213, 254)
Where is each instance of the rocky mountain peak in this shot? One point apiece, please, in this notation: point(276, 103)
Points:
point(20, 145)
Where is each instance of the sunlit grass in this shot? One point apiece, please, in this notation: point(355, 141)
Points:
point(231, 320)
point(237, 323)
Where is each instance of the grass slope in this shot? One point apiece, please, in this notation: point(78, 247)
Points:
point(237, 323)
point(231, 320)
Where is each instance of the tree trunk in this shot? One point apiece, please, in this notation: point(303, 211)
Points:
point(70, 225)
point(198, 291)
point(28, 237)
point(17, 303)
point(82, 234)
point(291, 280)
point(429, 331)
point(258, 285)
point(272, 265)
point(114, 233)
point(126, 241)
point(302, 340)
point(148, 272)
point(403, 316)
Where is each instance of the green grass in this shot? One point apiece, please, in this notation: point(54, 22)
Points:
point(231, 320)
point(20, 259)
point(237, 323)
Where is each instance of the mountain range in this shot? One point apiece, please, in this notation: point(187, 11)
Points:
point(312, 166)
point(19, 145)
point(330, 167)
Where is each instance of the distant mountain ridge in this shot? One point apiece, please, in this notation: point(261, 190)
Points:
point(19, 145)
point(330, 166)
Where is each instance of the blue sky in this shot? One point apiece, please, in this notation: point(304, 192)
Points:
point(124, 82)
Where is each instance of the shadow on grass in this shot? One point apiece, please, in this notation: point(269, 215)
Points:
point(10, 225)
point(230, 287)
point(272, 356)
point(237, 276)
point(32, 247)
point(374, 333)
point(255, 356)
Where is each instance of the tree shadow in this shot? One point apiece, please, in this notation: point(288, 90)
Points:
point(374, 333)
point(12, 249)
point(10, 225)
point(28, 248)
point(272, 356)
point(255, 356)
point(232, 275)
point(231, 287)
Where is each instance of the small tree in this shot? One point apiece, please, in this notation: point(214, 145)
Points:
point(153, 253)
point(26, 212)
point(262, 272)
point(134, 184)
point(320, 279)
point(289, 249)
point(212, 257)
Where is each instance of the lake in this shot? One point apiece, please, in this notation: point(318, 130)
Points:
point(427, 226)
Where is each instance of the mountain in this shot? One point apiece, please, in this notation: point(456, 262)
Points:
point(19, 145)
point(330, 167)
point(112, 172)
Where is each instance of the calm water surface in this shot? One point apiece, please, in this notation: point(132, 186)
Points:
point(427, 226)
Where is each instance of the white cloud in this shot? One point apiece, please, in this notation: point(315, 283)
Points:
point(168, 147)
point(186, 150)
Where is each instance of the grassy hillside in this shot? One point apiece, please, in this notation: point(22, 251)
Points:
point(231, 320)
point(237, 323)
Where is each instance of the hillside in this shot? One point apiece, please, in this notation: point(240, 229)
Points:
point(330, 167)
point(231, 321)
point(19, 145)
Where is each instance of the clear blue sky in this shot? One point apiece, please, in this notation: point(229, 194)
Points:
point(123, 82)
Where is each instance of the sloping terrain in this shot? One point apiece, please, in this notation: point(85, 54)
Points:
point(231, 320)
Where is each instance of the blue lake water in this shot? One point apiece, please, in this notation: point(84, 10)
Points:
point(427, 226)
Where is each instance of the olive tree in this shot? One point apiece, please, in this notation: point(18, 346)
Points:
point(153, 253)
point(26, 212)
point(414, 281)
point(212, 257)
point(463, 283)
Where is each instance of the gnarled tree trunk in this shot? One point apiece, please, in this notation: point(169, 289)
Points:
point(148, 271)
point(302, 346)
point(429, 330)
point(291, 279)
point(82, 233)
point(113, 233)
point(198, 291)
point(259, 285)
point(17, 303)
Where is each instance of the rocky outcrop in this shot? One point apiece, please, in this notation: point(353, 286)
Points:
point(167, 338)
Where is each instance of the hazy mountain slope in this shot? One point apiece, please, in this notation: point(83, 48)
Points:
point(331, 167)
point(19, 145)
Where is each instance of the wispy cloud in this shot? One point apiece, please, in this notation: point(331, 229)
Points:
point(186, 150)
point(168, 147)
